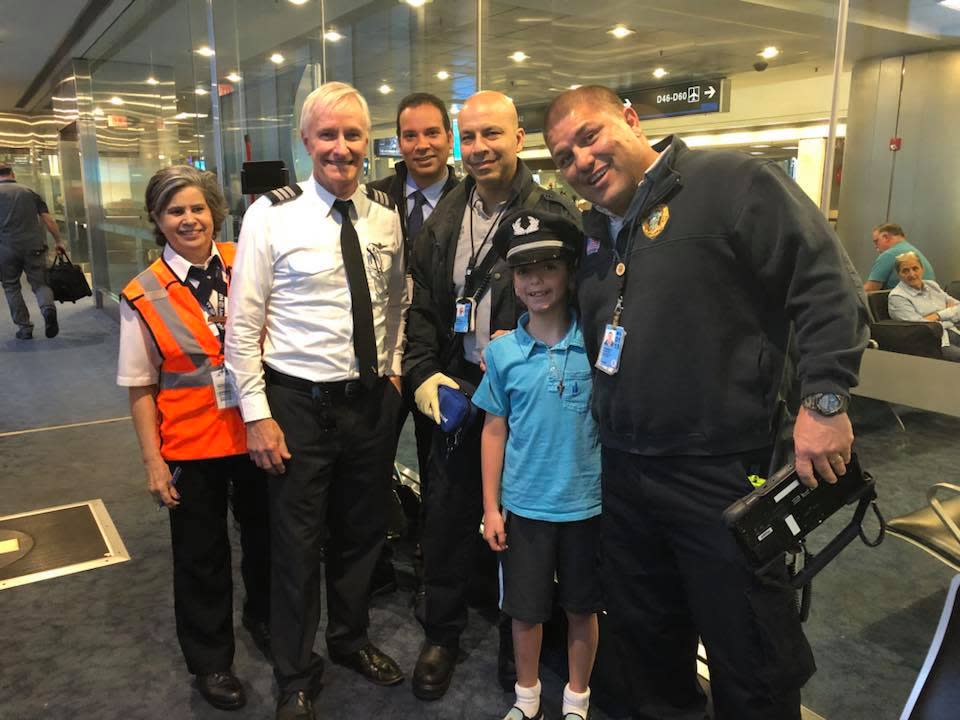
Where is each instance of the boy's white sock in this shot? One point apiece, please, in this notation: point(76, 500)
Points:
point(528, 699)
point(574, 702)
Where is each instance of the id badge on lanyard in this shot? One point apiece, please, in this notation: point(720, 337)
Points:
point(611, 349)
point(614, 334)
point(224, 387)
point(465, 317)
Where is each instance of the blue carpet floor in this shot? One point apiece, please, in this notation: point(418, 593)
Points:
point(101, 644)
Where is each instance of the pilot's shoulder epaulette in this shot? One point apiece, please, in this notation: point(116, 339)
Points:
point(379, 197)
point(284, 194)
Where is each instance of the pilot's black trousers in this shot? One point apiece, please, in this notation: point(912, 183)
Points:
point(330, 505)
point(672, 572)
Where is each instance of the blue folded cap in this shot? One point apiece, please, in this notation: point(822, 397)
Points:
point(456, 410)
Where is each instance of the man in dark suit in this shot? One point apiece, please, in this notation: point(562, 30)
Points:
point(418, 183)
point(454, 275)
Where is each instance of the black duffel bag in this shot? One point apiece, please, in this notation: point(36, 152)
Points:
point(67, 280)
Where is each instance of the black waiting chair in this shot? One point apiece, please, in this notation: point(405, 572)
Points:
point(936, 693)
point(902, 336)
point(934, 528)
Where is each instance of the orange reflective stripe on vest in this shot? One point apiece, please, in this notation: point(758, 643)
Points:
point(192, 427)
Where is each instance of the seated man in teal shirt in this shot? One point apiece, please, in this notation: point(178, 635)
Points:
point(890, 241)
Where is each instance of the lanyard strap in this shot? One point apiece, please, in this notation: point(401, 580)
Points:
point(623, 265)
point(216, 318)
point(623, 261)
point(475, 251)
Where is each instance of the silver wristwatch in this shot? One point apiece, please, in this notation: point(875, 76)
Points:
point(826, 404)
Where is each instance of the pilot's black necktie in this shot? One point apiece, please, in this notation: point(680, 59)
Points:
point(364, 340)
point(415, 221)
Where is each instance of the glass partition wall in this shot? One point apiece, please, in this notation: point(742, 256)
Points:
point(217, 82)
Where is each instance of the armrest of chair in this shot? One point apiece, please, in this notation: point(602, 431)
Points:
point(908, 337)
point(937, 506)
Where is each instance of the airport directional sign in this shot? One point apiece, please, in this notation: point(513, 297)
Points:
point(682, 98)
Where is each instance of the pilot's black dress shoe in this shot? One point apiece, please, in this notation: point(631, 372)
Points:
point(295, 706)
point(371, 662)
point(222, 690)
point(434, 670)
point(260, 634)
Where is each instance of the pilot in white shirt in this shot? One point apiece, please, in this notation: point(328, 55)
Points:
point(319, 277)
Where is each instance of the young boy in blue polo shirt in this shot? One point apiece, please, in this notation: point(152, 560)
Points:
point(540, 460)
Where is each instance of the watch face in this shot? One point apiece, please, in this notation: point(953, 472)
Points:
point(829, 404)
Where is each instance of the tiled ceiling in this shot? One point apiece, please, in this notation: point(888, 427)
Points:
point(567, 41)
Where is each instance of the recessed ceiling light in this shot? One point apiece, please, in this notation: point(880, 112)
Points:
point(575, 86)
point(756, 152)
point(443, 75)
point(98, 111)
point(152, 81)
point(518, 56)
point(332, 35)
point(768, 53)
point(233, 77)
point(620, 31)
point(415, 3)
point(385, 89)
point(760, 146)
point(952, 4)
point(297, 2)
point(276, 58)
point(204, 50)
point(116, 100)
point(201, 91)
point(660, 72)
point(790, 147)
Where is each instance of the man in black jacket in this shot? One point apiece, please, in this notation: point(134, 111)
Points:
point(419, 182)
point(695, 264)
point(450, 268)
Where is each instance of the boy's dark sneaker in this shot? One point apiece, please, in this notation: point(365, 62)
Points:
point(25, 334)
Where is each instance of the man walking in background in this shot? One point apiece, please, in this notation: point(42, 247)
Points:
point(24, 220)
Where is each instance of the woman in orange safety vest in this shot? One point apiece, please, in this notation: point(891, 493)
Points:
point(193, 440)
